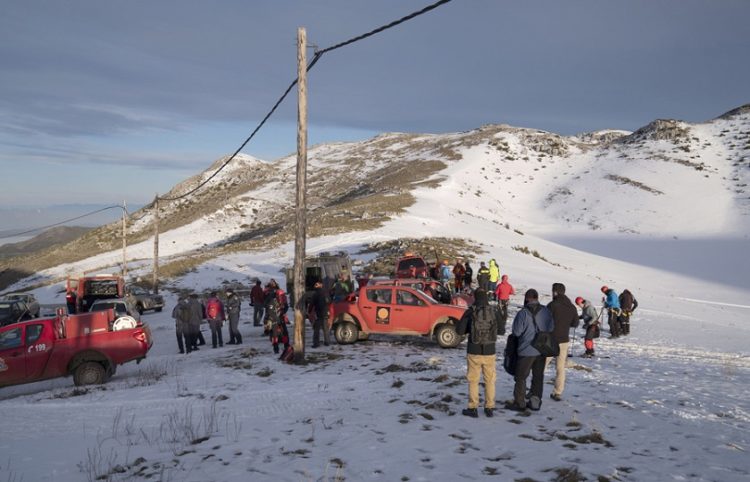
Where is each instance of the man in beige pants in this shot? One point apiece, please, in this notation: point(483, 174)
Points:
point(565, 315)
point(482, 322)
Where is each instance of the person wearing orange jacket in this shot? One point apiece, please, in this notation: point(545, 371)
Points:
point(503, 293)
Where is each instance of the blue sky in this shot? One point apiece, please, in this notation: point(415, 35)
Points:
point(108, 101)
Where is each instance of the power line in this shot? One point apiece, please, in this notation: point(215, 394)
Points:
point(318, 54)
point(63, 222)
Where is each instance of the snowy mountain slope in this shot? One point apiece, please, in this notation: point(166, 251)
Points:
point(666, 179)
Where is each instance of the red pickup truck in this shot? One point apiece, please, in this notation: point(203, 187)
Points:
point(397, 310)
point(88, 346)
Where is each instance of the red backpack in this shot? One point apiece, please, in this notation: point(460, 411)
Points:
point(213, 308)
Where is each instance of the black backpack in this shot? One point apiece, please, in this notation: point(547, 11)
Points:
point(626, 301)
point(483, 325)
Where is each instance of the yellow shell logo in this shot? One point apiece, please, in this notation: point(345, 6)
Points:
point(382, 313)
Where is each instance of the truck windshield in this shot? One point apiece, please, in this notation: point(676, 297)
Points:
point(102, 288)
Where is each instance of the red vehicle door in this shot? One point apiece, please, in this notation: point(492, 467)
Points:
point(39, 341)
point(411, 313)
point(376, 308)
point(12, 359)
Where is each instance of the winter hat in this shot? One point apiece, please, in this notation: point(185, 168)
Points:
point(480, 297)
point(579, 301)
point(504, 278)
point(558, 288)
point(605, 289)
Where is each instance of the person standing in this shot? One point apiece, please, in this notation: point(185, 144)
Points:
point(233, 313)
point(181, 315)
point(527, 323)
point(458, 275)
point(468, 275)
point(494, 277)
point(628, 304)
point(445, 274)
point(215, 316)
point(194, 320)
point(590, 324)
point(483, 276)
point(482, 322)
point(257, 298)
point(320, 303)
point(612, 304)
point(502, 294)
point(342, 288)
point(565, 317)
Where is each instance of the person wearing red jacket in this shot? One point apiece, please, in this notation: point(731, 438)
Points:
point(503, 292)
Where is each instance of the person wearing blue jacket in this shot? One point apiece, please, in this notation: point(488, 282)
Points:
point(529, 359)
point(612, 304)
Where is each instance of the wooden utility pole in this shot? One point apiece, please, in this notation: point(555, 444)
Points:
point(301, 232)
point(155, 281)
point(124, 240)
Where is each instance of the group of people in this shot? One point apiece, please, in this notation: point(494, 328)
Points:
point(270, 305)
point(532, 325)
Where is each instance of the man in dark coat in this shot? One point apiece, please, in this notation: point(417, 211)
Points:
point(565, 316)
point(233, 313)
point(482, 322)
point(194, 320)
point(628, 304)
point(257, 299)
point(320, 304)
point(528, 321)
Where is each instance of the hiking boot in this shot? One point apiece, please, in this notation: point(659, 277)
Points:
point(555, 397)
point(230, 342)
point(489, 412)
point(535, 403)
point(470, 412)
point(511, 405)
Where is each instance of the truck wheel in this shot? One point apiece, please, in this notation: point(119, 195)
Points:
point(346, 333)
point(158, 309)
point(89, 373)
point(447, 337)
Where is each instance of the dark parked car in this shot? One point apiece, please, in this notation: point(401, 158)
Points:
point(13, 311)
point(31, 303)
point(143, 300)
point(119, 305)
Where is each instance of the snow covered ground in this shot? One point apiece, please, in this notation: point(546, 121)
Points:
point(387, 409)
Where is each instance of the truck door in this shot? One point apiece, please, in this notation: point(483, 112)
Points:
point(376, 308)
point(12, 359)
point(411, 313)
point(39, 342)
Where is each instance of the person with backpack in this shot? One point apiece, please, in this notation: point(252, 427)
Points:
point(195, 316)
point(233, 313)
point(628, 305)
point(530, 321)
point(181, 315)
point(319, 308)
point(483, 276)
point(494, 277)
point(483, 324)
point(565, 317)
point(502, 294)
point(612, 304)
point(468, 275)
point(590, 324)
point(256, 301)
point(458, 275)
point(215, 316)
